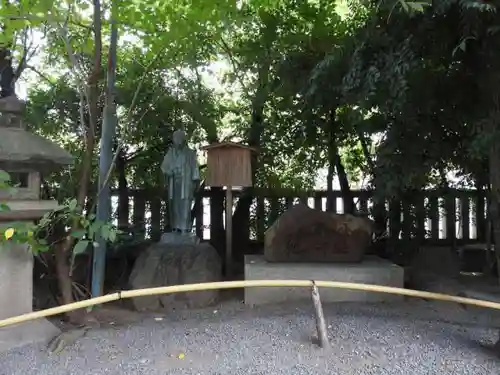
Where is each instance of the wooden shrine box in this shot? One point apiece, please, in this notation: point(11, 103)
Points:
point(229, 164)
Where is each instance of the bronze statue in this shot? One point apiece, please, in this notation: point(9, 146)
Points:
point(181, 170)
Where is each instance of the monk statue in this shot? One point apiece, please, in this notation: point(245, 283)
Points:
point(183, 176)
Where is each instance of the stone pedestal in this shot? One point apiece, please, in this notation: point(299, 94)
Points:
point(172, 238)
point(372, 270)
point(165, 264)
point(16, 298)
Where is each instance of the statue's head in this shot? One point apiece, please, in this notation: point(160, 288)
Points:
point(179, 138)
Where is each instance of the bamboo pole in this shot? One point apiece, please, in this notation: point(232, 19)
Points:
point(320, 317)
point(243, 284)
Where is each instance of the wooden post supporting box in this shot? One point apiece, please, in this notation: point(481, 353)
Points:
point(229, 164)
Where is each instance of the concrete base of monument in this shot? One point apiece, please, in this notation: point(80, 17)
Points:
point(34, 332)
point(372, 270)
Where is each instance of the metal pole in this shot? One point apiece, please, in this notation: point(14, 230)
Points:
point(105, 160)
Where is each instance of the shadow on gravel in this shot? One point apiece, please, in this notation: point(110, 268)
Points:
point(489, 349)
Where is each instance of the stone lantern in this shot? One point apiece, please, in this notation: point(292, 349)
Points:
point(25, 156)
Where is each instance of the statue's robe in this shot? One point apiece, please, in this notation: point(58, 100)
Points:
point(180, 166)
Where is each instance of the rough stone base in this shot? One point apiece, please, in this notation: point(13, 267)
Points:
point(34, 332)
point(168, 264)
point(372, 270)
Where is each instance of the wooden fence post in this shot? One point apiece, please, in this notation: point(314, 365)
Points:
point(269, 205)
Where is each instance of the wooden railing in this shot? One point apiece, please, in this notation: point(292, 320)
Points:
point(430, 216)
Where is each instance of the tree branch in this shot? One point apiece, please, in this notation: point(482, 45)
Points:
point(234, 64)
point(40, 74)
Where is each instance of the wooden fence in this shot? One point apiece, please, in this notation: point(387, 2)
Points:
point(430, 216)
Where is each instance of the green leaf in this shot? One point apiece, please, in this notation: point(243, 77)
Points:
point(81, 247)
point(105, 232)
point(72, 204)
point(112, 235)
point(4, 207)
point(4, 176)
point(416, 6)
point(78, 234)
point(45, 220)
point(94, 229)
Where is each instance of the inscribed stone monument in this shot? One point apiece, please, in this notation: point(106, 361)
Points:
point(182, 173)
point(303, 234)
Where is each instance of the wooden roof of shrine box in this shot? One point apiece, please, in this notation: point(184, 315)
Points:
point(229, 164)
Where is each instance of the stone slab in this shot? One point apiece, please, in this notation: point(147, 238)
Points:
point(372, 270)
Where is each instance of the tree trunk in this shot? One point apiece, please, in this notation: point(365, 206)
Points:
point(241, 216)
point(335, 160)
point(482, 184)
point(217, 233)
point(349, 207)
point(123, 197)
point(63, 253)
point(7, 77)
point(329, 188)
point(379, 212)
point(64, 281)
point(494, 204)
point(90, 201)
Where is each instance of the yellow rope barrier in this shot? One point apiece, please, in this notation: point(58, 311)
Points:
point(243, 284)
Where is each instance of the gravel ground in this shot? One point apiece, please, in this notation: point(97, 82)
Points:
point(400, 338)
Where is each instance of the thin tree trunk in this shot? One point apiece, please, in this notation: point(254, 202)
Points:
point(7, 75)
point(494, 204)
point(7, 84)
point(123, 197)
point(349, 207)
point(329, 188)
point(379, 211)
point(241, 216)
point(63, 254)
point(335, 160)
point(217, 233)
